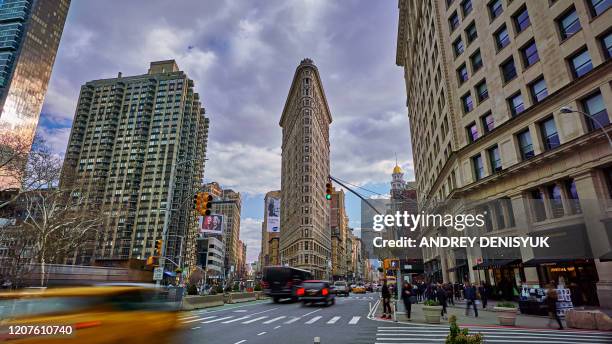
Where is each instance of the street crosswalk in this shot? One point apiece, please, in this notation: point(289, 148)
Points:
point(410, 334)
point(195, 320)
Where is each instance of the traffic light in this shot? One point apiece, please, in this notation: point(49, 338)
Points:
point(158, 247)
point(203, 203)
point(153, 261)
point(328, 191)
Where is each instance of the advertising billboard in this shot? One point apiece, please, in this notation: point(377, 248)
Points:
point(211, 224)
point(273, 214)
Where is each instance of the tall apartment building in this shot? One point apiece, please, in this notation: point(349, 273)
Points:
point(137, 149)
point(211, 257)
point(305, 240)
point(31, 32)
point(339, 231)
point(269, 254)
point(485, 82)
point(229, 205)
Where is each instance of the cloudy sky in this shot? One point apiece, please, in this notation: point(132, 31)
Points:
point(242, 55)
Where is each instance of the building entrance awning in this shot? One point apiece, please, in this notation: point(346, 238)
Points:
point(497, 264)
point(554, 261)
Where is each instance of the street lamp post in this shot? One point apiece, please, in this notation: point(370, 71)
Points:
point(566, 109)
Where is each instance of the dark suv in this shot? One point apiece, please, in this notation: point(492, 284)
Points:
point(316, 292)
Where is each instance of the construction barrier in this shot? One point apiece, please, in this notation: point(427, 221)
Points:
point(195, 302)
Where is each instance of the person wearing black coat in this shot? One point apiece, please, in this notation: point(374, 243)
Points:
point(386, 300)
point(441, 296)
point(469, 293)
point(406, 298)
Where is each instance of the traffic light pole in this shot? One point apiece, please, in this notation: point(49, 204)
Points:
point(355, 193)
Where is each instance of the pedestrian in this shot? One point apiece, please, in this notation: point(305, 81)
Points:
point(470, 296)
point(386, 300)
point(407, 298)
point(441, 295)
point(483, 290)
point(551, 303)
point(415, 293)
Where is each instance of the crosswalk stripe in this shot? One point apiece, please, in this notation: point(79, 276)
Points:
point(354, 320)
point(237, 319)
point(313, 320)
point(188, 317)
point(292, 320)
point(333, 320)
point(215, 320)
point(275, 319)
point(199, 319)
point(254, 320)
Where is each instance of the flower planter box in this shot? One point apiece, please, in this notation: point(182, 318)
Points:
point(432, 314)
point(506, 315)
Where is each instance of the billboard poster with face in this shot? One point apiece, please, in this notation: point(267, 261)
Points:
point(211, 224)
point(273, 214)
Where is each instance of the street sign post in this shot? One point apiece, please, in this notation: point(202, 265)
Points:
point(158, 273)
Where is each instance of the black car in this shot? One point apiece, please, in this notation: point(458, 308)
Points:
point(282, 282)
point(316, 292)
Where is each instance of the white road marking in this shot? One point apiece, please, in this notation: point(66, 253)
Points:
point(309, 313)
point(277, 327)
point(240, 311)
point(215, 320)
point(199, 319)
point(195, 328)
point(188, 317)
point(239, 342)
point(259, 334)
point(273, 320)
point(313, 320)
point(354, 320)
point(254, 320)
point(333, 320)
point(237, 319)
point(292, 320)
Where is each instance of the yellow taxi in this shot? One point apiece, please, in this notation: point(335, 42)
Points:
point(92, 315)
point(359, 289)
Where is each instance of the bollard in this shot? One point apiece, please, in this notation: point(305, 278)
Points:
point(317, 340)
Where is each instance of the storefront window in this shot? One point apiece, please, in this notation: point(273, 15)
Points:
point(554, 194)
point(572, 193)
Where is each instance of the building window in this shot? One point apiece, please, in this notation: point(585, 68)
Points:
point(595, 107)
point(495, 159)
point(539, 212)
point(516, 104)
point(569, 23)
point(525, 146)
point(458, 47)
point(495, 8)
point(581, 63)
point(471, 33)
point(521, 19)
point(508, 70)
point(466, 7)
point(550, 137)
point(462, 74)
point(606, 45)
point(598, 7)
point(572, 193)
point(481, 91)
point(538, 90)
point(488, 122)
point(529, 52)
point(468, 104)
point(472, 132)
point(502, 39)
point(607, 172)
point(478, 168)
point(476, 61)
point(554, 194)
point(453, 21)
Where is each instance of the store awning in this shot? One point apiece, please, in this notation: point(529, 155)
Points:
point(496, 264)
point(455, 268)
point(553, 261)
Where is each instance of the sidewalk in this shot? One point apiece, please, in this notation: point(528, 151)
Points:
point(485, 317)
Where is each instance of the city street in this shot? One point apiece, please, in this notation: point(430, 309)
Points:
point(344, 322)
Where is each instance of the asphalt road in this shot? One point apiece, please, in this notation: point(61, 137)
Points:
point(267, 322)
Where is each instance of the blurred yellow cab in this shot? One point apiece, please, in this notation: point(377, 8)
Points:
point(359, 289)
point(100, 314)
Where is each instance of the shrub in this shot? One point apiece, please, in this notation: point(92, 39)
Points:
point(192, 290)
point(218, 289)
point(461, 336)
point(257, 287)
point(431, 303)
point(506, 304)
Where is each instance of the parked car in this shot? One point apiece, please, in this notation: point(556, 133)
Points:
point(314, 291)
point(281, 282)
point(341, 288)
point(359, 289)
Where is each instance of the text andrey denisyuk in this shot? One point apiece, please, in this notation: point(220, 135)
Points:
point(458, 222)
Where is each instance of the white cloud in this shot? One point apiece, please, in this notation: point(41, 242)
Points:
point(56, 139)
point(250, 234)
